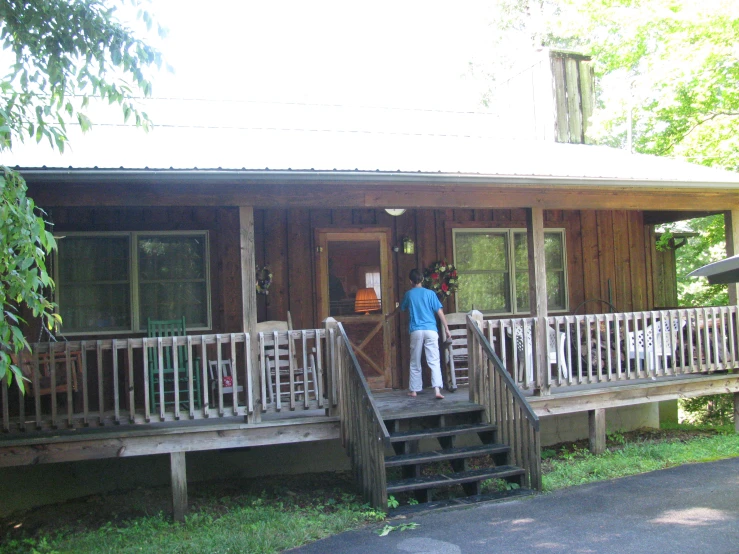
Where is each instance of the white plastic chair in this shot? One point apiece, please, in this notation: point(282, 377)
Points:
point(647, 343)
point(556, 352)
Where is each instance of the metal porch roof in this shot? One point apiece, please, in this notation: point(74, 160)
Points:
point(347, 157)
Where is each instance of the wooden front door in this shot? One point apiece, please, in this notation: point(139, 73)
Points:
point(354, 287)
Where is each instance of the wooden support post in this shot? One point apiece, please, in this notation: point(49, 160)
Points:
point(731, 224)
point(736, 412)
point(249, 300)
point(474, 361)
point(179, 485)
point(597, 430)
point(331, 367)
point(538, 295)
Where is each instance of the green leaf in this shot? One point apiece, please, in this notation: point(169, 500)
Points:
point(84, 121)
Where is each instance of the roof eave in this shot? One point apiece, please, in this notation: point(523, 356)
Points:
point(154, 176)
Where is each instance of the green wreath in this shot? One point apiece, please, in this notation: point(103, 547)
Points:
point(441, 278)
point(264, 279)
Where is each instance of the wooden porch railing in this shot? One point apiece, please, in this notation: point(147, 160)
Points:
point(293, 370)
point(492, 386)
point(363, 430)
point(80, 384)
point(603, 348)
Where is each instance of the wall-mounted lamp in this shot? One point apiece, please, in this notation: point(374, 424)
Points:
point(395, 211)
point(409, 247)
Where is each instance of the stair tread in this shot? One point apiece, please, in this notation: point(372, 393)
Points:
point(462, 501)
point(416, 434)
point(438, 408)
point(431, 481)
point(445, 454)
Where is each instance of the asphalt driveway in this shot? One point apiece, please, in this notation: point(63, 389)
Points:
point(692, 509)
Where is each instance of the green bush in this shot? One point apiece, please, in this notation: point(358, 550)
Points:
point(717, 409)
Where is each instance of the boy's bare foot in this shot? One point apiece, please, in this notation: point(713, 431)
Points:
point(439, 396)
point(412, 394)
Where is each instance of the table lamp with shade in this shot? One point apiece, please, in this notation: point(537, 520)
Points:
point(366, 301)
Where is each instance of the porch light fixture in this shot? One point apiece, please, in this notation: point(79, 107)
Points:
point(409, 247)
point(366, 301)
point(395, 211)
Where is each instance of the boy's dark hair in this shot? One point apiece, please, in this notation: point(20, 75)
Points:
point(416, 276)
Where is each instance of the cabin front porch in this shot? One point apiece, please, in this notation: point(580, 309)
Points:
point(109, 391)
point(321, 393)
point(111, 379)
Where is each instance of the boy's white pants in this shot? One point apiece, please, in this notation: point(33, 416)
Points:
point(428, 340)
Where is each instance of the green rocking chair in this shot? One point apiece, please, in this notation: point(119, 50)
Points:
point(168, 374)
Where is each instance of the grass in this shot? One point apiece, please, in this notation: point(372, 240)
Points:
point(271, 515)
point(575, 465)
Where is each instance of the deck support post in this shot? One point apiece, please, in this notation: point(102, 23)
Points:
point(538, 296)
point(249, 300)
point(597, 430)
point(179, 485)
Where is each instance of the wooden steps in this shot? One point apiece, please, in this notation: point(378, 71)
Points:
point(427, 459)
point(456, 430)
point(446, 455)
point(457, 478)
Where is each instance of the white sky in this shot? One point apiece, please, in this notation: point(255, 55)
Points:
point(253, 66)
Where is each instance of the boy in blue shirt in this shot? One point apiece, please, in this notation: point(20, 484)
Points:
point(422, 304)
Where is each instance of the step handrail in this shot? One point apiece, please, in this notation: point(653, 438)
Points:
point(505, 406)
point(363, 431)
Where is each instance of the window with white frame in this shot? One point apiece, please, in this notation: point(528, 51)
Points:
point(492, 265)
point(115, 282)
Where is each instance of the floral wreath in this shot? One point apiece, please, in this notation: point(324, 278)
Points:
point(441, 278)
point(264, 279)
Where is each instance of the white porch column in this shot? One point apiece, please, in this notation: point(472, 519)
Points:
point(538, 294)
point(249, 299)
point(731, 223)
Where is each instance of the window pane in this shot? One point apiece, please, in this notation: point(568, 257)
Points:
point(94, 287)
point(172, 279)
point(522, 291)
point(487, 292)
point(174, 257)
point(554, 264)
point(481, 251)
point(556, 293)
point(553, 254)
point(172, 301)
point(521, 250)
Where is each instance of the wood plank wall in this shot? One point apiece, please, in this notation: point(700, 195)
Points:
point(601, 246)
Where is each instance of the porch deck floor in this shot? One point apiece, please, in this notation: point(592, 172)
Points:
point(396, 404)
point(577, 388)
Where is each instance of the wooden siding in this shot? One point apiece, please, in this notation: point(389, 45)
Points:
point(601, 245)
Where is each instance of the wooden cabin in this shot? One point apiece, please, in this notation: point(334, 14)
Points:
point(574, 258)
point(554, 245)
